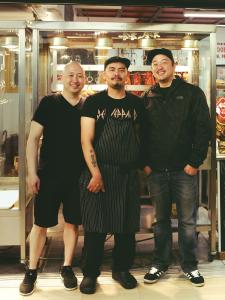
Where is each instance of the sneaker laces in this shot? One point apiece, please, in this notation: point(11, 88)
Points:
point(153, 270)
point(195, 273)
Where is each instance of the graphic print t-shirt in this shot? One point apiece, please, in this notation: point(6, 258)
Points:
point(102, 107)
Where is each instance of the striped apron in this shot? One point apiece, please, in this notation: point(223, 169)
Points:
point(117, 210)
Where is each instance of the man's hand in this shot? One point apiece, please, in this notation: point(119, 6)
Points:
point(33, 183)
point(190, 170)
point(96, 184)
point(147, 170)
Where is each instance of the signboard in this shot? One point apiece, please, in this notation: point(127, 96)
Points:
point(220, 46)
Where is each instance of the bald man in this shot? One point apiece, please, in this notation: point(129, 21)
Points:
point(54, 180)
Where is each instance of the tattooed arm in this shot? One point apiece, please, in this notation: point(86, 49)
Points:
point(87, 137)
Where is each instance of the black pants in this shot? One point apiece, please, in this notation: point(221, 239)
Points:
point(123, 252)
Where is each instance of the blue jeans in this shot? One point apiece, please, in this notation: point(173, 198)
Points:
point(178, 187)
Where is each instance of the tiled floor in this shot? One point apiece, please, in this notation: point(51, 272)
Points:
point(172, 286)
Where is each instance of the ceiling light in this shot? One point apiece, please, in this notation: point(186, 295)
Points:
point(58, 43)
point(204, 14)
point(146, 43)
point(10, 42)
point(103, 43)
point(189, 43)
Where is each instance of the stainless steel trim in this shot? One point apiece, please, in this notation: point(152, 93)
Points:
point(102, 26)
point(22, 168)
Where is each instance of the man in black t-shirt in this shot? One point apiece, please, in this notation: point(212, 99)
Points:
point(55, 179)
point(110, 200)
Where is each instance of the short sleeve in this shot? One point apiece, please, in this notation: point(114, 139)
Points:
point(42, 112)
point(90, 108)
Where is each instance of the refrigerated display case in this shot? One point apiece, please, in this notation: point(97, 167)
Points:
point(78, 41)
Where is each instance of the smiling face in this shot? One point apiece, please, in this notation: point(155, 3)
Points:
point(115, 75)
point(163, 69)
point(73, 78)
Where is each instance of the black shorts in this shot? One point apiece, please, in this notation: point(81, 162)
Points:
point(51, 194)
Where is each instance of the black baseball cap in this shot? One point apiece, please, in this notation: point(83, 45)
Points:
point(120, 59)
point(163, 51)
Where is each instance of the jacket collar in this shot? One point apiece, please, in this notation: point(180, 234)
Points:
point(154, 91)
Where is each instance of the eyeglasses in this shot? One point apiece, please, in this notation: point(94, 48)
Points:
point(162, 62)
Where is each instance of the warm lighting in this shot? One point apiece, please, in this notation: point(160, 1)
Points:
point(204, 14)
point(146, 43)
point(189, 43)
point(10, 42)
point(103, 43)
point(58, 43)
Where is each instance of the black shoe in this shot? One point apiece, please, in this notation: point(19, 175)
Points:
point(125, 279)
point(68, 278)
point(153, 275)
point(195, 278)
point(88, 285)
point(27, 286)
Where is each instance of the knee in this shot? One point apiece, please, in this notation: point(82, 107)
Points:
point(73, 227)
point(39, 230)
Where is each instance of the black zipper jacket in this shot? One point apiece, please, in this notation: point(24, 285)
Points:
point(179, 127)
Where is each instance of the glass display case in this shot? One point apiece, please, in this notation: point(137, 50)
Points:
point(220, 154)
point(32, 56)
point(15, 113)
point(56, 43)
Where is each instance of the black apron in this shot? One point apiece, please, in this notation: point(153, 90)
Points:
point(117, 210)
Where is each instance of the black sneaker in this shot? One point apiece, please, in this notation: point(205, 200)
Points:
point(88, 285)
point(195, 278)
point(125, 279)
point(27, 286)
point(68, 278)
point(153, 275)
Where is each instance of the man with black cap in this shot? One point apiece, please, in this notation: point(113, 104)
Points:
point(109, 184)
point(178, 137)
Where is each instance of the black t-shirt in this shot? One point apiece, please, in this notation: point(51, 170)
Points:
point(60, 153)
point(101, 106)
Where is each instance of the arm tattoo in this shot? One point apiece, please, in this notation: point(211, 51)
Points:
point(93, 160)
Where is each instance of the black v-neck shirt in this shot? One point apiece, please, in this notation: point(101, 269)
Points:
point(60, 153)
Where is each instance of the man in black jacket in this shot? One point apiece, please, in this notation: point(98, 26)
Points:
point(178, 138)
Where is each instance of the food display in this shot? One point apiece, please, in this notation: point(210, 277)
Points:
point(220, 124)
